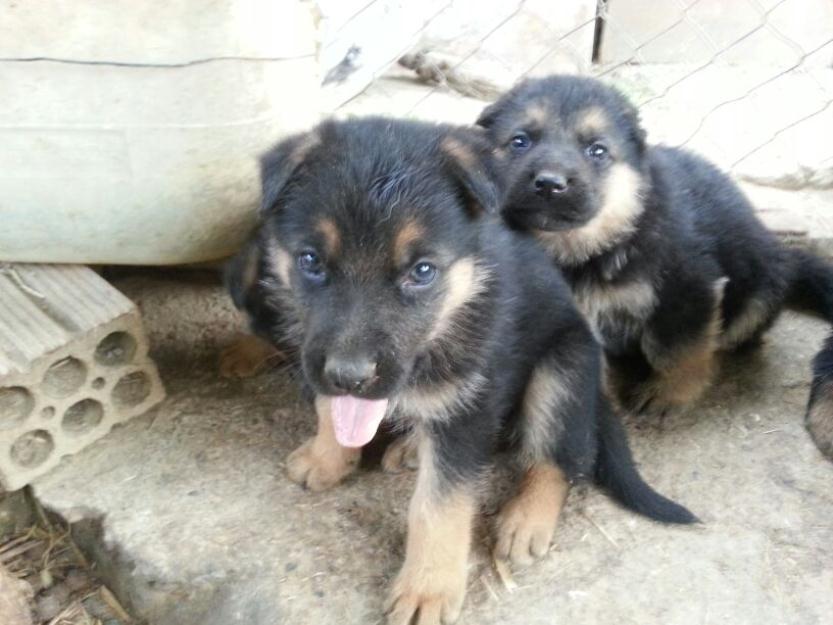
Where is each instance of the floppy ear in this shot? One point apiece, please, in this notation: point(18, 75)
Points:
point(279, 164)
point(242, 272)
point(638, 133)
point(489, 114)
point(468, 158)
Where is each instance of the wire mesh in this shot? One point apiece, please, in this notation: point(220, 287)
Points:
point(747, 82)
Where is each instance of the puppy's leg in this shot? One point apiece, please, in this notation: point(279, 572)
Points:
point(321, 463)
point(527, 522)
point(402, 454)
point(247, 356)
point(681, 342)
point(431, 585)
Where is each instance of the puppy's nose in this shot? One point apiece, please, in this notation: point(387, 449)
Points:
point(349, 374)
point(549, 183)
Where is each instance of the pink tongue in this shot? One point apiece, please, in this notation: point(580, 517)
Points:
point(356, 420)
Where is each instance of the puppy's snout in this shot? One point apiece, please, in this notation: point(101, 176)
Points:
point(547, 184)
point(350, 374)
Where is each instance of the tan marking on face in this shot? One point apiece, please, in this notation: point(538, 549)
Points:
point(321, 463)
point(592, 122)
point(754, 315)
point(545, 394)
point(332, 238)
point(408, 234)
point(820, 419)
point(247, 356)
point(538, 115)
point(440, 401)
point(684, 374)
point(432, 581)
point(280, 262)
point(465, 281)
point(616, 219)
point(527, 522)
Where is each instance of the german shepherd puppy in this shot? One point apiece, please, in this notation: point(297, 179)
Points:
point(663, 252)
point(405, 302)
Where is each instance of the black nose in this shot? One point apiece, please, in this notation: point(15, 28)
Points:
point(547, 184)
point(349, 374)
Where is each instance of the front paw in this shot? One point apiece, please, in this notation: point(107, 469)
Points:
point(524, 532)
point(318, 468)
point(427, 597)
point(661, 397)
point(526, 523)
point(401, 455)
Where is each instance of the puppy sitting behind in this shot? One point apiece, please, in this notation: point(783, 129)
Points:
point(663, 252)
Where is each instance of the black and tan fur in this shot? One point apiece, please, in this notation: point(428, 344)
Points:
point(662, 250)
point(488, 347)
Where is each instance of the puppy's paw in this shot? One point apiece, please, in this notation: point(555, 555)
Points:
point(401, 455)
point(526, 523)
point(247, 356)
point(660, 396)
point(319, 467)
point(524, 531)
point(426, 597)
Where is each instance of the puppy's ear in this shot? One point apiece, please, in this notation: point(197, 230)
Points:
point(469, 161)
point(638, 133)
point(279, 164)
point(489, 114)
point(242, 272)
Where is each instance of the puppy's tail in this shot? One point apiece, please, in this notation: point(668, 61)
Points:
point(615, 471)
point(811, 290)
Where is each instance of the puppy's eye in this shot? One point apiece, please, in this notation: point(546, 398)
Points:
point(520, 142)
point(421, 274)
point(311, 267)
point(597, 150)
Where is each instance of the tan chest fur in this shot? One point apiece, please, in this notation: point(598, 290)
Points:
point(617, 308)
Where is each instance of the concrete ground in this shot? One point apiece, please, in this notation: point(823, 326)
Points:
point(193, 520)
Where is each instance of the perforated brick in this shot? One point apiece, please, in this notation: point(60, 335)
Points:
point(73, 363)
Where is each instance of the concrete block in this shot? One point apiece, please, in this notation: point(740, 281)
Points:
point(73, 363)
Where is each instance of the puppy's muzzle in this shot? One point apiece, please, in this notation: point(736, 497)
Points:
point(548, 183)
point(350, 374)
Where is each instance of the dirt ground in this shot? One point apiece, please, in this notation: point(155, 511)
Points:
point(191, 519)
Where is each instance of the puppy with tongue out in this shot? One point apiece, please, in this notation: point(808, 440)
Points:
point(378, 261)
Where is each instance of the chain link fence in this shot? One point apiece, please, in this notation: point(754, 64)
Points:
point(748, 83)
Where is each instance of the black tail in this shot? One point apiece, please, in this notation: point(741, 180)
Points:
point(811, 290)
point(616, 472)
